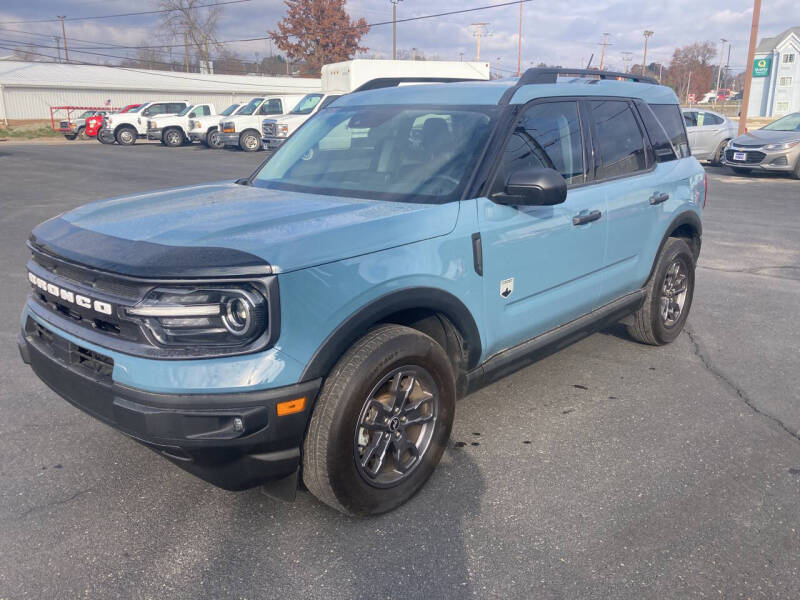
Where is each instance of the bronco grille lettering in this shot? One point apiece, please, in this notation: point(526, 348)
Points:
point(69, 296)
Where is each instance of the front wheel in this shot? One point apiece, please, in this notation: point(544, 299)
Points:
point(381, 422)
point(126, 136)
point(105, 137)
point(666, 306)
point(716, 160)
point(250, 141)
point(172, 138)
point(213, 140)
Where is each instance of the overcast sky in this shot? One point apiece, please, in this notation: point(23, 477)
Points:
point(564, 32)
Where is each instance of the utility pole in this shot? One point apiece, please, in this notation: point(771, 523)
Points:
point(647, 34)
point(727, 64)
point(603, 51)
point(748, 71)
point(185, 51)
point(519, 46)
point(626, 58)
point(394, 28)
point(479, 27)
point(719, 70)
point(64, 34)
point(58, 45)
point(462, 56)
point(688, 87)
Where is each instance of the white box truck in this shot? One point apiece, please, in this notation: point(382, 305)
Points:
point(345, 77)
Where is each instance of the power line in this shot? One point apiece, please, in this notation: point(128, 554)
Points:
point(130, 14)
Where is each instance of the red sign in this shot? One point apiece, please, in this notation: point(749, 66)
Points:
point(691, 98)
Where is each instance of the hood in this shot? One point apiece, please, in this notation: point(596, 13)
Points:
point(287, 230)
point(286, 119)
point(759, 137)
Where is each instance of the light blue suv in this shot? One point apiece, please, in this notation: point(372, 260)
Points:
point(319, 319)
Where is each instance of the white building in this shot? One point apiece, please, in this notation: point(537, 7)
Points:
point(775, 90)
point(29, 89)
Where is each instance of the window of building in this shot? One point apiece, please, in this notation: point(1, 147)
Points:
point(788, 58)
point(785, 82)
point(782, 107)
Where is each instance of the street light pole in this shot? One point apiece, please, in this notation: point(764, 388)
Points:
point(719, 71)
point(647, 34)
point(394, 28)
point(748, 71)
point(519, 45)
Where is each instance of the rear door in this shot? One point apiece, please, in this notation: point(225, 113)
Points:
point(540, 262)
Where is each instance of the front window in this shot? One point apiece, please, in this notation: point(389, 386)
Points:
point(395, 153)
point(185, 110)
point(229, 111)
point(307, 104)
point(788, 123)
point(251, 106)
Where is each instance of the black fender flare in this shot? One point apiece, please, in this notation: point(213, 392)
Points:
point(358, 323)
point(685, 218)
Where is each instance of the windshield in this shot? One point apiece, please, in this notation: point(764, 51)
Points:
point(251, 106)
point(227, 112)
point(136, 109)
point(86, 114)
point(788, 123)
point(185, 110)
point(307, 104)
point(405, 154)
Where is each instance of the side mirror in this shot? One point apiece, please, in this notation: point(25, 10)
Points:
point(533, 187)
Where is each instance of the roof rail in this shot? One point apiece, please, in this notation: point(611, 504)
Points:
point(551, 75)
point(384, 82)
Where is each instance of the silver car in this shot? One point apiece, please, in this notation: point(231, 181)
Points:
point(708, 133)
point(774, 147)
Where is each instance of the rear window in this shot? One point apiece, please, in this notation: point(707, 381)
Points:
point(672, 120)
point(620, 145)
point(659, 140)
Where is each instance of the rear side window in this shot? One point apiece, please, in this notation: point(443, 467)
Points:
point(712, 119)
point(548, 135)
point(174, 107)
point(619, 141)
point(670, 117)
point(659, 140)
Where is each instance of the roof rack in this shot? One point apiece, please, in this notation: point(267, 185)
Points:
point(551, 75)
point(385, 82)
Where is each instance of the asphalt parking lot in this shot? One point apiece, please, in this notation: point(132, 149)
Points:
point(608, 470)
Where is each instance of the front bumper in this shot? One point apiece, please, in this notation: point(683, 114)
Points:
point(272, 143)
point(761, 160)
point(229, 139)
point(154, 134)
point(233, 440)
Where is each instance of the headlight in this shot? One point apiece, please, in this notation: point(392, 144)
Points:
point(228, 128)
point(152, 125)
point(784, 146)
point(283, 130)
point(220, 316)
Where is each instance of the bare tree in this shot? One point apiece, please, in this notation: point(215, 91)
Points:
point(196, 26)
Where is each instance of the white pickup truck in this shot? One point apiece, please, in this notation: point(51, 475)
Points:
point(345, 77)
point(206, 129)
point(129, 126)
point(244, 128)
point(173, 130)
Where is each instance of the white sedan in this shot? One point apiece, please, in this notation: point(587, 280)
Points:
point(708, 132)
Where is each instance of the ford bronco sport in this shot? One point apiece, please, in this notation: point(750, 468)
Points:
point(317, 320)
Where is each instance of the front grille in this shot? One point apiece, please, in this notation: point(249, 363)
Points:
point(268, 129)
point(96, 364)
point(752, 157)
point(64, 124)
point(88, 278)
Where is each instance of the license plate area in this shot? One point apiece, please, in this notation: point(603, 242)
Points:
point(740, 156)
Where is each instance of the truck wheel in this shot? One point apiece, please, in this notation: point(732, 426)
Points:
point(669, 296)
point(250, 141)
point(106, 137)
point(126, 136)
point(796, 173)
point(70, 136)
point(381, 422)
point(82, 134)
point(213, 139)
point(172, 137)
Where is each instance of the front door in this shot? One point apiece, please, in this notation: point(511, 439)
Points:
point(539, 261)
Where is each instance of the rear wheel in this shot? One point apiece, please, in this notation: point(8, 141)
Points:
point(250, 141)
point(104, 136)
point(172, 137)
point(796, 173)
point(82, 133)
point(669, 296)
point(126, 136)
point(740, 171)
point(381, 422)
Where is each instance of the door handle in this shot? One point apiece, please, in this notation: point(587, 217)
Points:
point(658, 198)
point(586, 217)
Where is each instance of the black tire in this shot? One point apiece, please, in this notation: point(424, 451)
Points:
point(126, 136)
point(172, 137)
point(334, 439)
point(716, 160)
point(213, 139)
point(106, 137)
point(70, 136)
point(796, 173)
point(82, 134)
point(250, 141)
point(650, 326)
point(740, 171)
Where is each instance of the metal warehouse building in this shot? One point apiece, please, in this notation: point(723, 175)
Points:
point(29, 89)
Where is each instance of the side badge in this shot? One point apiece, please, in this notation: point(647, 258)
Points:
point(507, 287)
